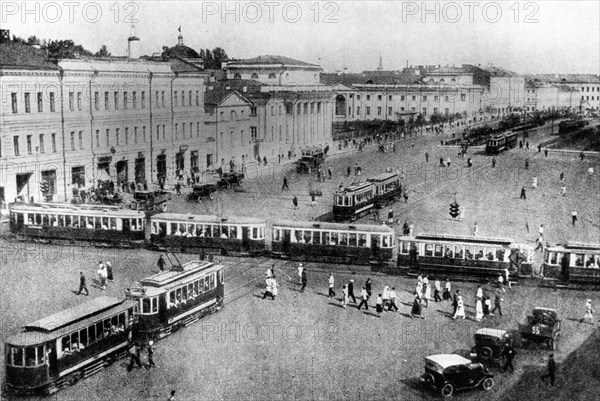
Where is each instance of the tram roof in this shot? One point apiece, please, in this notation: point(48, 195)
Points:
point(69, 209)
point(165, 278)
point(68, 320)
point(356, 187)
point(197, 218)
point(317, 225)
point(459, 238)
point(382, 177)
point(575, 247)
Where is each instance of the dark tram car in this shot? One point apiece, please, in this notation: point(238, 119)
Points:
point(501, 142)
point(56, 222)
point(573, 262)
point(353, 201)
point(178, 297)
point(193, 233)
point(331, 242)
point(387, 188)
point(63, 348)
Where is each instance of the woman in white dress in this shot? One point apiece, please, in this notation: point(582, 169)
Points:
point(460, 309)
point(478, 310)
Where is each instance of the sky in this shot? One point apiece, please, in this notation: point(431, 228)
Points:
point(525, 37)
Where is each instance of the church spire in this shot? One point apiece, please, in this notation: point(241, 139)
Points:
point(180, 37)
point(380, 66)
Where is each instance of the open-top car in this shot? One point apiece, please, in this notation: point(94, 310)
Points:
point(310, 160)
point(228, 179)
point(448, 373)
point(202, 190)
point(542, 326)
point(150, 201)
point(490, 345)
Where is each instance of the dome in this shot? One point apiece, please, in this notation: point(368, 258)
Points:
point(181, 51)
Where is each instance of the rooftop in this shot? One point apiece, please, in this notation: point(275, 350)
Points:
point(21, 56)
point(271, 60)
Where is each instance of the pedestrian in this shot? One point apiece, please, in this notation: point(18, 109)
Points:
point(539, 148)
point(541, 230)
point(447, 296)
point(161, 263)
point(151, 355)
point(562, 176)
point(475, 229)
point(269, 289)
point(546, 152)
point(391, 217)
point(364, 296)
point(574, 217)
point(551, 373)
point(501, 282)
point(460, 309)
point(295, 202)
point(527, 145)
point(313, 200)
point(442, 164)
point(509, 355)
point(109, 271)
point(507, 277)
point(520, 144)
point(331, 285)
point(351, 291)
point(523, 194)
point(426, 294)
point(448, 162)
point(82, 285)
point(393, 300)
point(265, 160)
point(300, 269)
point(526, 164)
point(386, 296)
point(269, 272)
point(534, 183)
point(274, 287)
point(590, 172)
point(427, 157)
point(178, 188)
point(304, 280)
point(487, 305)
point(436, 291)
point(134, 356)
point(348, 171)
point(417, 308)
point(368, 286)
point(172, 397)
point(344, 296)
point(285, 184)
point(478, 310)
point(455, 301)
point(479, 293)
point(330, 172)
point(563, 190)
point(102, 275)
point(405, 196)
point(589, 313)
point(582, 156)
point(494, 162)
point(411, 229)
point(497, 305)
point(469, 162)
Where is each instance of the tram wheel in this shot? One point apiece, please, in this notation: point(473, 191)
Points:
point(73, 378)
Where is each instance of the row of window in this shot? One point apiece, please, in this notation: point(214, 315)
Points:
point(41, 144)
point(391, 110)
point(128, 100)
point(335, 238)
point(355, 199)
point(190, 291)
point(589, 261)
point(79, 340)
point(91, 222)
point(436, 98)
point(588, 98)
point(206, 230)
point(470, 252)
point(584, 89)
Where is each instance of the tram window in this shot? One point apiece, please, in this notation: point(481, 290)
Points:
point(276, 235)
point(61, 221)
point(191, 290)
point(38, 219)
point(162, 227)
point(145, 305)
point(98, 223)
point(334, 238)
point(352, 239)
point(325, 238)
point(68, 221)
point(343, 238)
point(195, 289)
point(184, 293)
point(45, 220)
point(596, 262)
point(106, 331)
point(91, 334)
point(347, 201)
point(589, 260)
point(30, 356)
point(579, 260)
point(53, 221)
point(40, 356)
point(83, 338)
point(297, 236)
point(75, 341)
point(178, 296)
point(439, 251)
point(206, 284)
point(404, 247)
point(225, 231)
point(255, 233)
point(173, 229)
point(90, 223)
point(233, 232)
point(316, 237)
point(221, 278)
point(172, 298)
point(449, 252)
point(490, 254)
point(216, 231)
point(66, 345)
point(468, 252)
point(200, 286)
point(552, 258)
point(500, 254)
point(388, 241)
point(17, 356)
point(458, 252)
point(113, 223)
point(122, 318)
point(99, 330)
point(428, 249)
point(362, 240)
point(478, 253)
point(307, 235)
point(212, 281)
point(154, 228)
point(190, 230)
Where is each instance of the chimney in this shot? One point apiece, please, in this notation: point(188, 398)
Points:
point(133, 45)
point(244, 89)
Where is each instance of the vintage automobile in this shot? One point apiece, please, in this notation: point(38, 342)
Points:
point(228, 179)
point(310, 160)
point(448, 373)
point(542, 326)
point(490, 345)
point(202, 190)
point(150, 201)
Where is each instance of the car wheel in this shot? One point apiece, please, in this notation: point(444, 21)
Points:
point(487, 384)
point(228, 185)
point(199, 199)
point(447, 390)
point(429, 380)
point(486, 352)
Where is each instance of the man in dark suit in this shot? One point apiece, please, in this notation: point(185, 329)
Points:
point(508, 354)
point(551, 370)
point(455, 301)
point(351, 291)
point(82, 285)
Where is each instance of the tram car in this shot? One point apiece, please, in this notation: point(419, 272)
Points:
point(387, 189)
point(458, 255)
point(332, 242)
point(172, 299)
point(194, 233)
point(564, 127)
point(573, 262)
point(501, 142)
point(353, 201)
point(63, 348)
point(54, 222)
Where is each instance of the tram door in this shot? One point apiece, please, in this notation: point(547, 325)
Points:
point(286, 240)
point(53, 360)
point(375, 247)
point(245, 238)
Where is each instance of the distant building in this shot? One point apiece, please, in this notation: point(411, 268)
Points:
point(275, 71)
point(542, 96)
point(588, 86)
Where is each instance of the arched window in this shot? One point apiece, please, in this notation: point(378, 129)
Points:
point(442, 80)
point(340, 105)
point(287, 75)
point(453, 80)
point(232, 115)
point(272, 76)
point(431, 80)
point(254, 76)
point(237, 76)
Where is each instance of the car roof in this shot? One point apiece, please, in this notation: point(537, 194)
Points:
point(447, 360)
point(491, 332)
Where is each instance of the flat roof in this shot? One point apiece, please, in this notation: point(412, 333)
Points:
point(382, 177)
point(461, 238)
point(165, 278)
point(212, 219)
point(87, 210)
point(355, 187)
point(447, 360)
point(491, 332)
point(312, 225)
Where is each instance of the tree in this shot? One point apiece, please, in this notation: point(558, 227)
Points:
point(219, 56)
point(103, 52)
point(33, 40)
point(66, 49)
